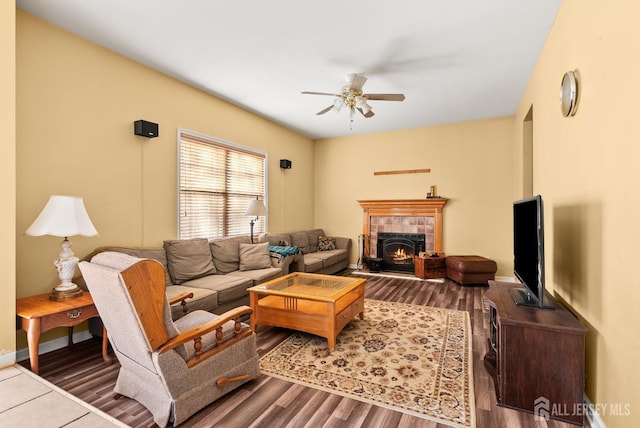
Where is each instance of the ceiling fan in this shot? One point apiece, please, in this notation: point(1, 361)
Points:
point(352, 97)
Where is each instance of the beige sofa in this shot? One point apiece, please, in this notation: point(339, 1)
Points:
point(319, 253)
point(217, 272)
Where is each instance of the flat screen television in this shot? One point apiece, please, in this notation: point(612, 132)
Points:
point(528, 252)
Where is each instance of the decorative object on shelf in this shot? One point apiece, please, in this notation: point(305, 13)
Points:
point(256, 208)
point(64, 216)
point(432, 192)
point(569, 93)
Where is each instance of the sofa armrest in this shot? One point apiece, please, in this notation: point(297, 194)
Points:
point(284, 262)
point(343, 243)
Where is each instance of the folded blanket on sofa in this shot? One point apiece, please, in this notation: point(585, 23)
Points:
point(283, 251)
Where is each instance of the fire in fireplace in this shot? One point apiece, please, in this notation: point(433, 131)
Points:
point(399, 249)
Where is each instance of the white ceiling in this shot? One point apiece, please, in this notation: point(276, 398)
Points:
point(455, 60)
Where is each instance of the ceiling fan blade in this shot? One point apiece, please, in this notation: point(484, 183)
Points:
point(319, 93)
point(325, 110)
point(385, 97)
point(367, 114)
point(357, 82)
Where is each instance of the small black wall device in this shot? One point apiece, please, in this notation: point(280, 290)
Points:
point(285, 163)
point(145, 129)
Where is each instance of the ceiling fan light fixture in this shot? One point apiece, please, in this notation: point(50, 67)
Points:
point(337, 105)
point(352, 98)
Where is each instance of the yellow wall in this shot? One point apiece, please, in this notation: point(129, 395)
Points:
point(586, 168)
point(471, 165)
point(7, 181)
point(76, 106)
point(76, 103)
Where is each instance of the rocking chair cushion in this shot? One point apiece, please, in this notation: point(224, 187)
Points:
point(198, 318)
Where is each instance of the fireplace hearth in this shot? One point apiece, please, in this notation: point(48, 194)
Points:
point(398, 250)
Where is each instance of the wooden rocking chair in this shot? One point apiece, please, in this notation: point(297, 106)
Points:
point(172, 368)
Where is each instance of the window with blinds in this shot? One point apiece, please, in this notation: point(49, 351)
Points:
point(217, 182)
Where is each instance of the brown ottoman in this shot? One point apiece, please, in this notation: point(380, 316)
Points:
point(471, 269)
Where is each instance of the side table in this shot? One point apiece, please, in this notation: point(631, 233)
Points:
point(430, 267)
point(37, 314)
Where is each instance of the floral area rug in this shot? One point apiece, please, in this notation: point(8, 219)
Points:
point(410, 358)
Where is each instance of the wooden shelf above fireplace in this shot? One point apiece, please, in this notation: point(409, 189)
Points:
point(428, 207)
point(404, 207)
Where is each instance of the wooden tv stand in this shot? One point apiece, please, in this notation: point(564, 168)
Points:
point(535, 355)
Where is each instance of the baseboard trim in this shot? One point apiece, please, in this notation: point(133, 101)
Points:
point(595, 421)
point(8, 359)
point(52, 345)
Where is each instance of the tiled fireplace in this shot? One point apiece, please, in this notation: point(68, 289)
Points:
point(402, 216)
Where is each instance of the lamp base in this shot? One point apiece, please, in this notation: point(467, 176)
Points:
point(61, 296)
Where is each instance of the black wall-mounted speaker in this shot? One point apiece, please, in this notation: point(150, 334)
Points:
point(145, 129)
point(285, 164)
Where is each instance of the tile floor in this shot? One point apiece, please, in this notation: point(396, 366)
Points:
point(27, 400)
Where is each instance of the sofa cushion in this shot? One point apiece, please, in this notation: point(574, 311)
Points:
point(312, 263)
point(275, 238)
point(254, 256)
point(203, 298)
point(229, 287)
point(326, 243)
point(188, 259)
point(226, 253)
point(301, 240)
point(328, 258)
point(314, 235)
point(258, 276)
point(341, 254)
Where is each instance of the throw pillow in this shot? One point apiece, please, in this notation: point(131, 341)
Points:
point(254, 256)
point(313, 235)
point(188, 259)
point(326, 243)
point(301, 240)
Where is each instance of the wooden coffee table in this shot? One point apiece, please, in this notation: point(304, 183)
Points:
point(314, 303)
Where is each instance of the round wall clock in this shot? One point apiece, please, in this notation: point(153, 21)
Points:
point(569, 94)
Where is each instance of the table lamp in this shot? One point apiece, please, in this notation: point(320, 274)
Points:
point(64, 216)
point(256, 208)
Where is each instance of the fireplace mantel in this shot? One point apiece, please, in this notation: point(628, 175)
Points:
point(404, 207)
point(429, 207)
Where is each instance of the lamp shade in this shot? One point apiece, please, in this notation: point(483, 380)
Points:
point(63, 216)
point(256, 208)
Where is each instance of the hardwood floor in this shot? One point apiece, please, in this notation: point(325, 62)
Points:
point(276, 403)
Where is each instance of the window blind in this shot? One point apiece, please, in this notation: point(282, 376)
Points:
point(217, 182)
